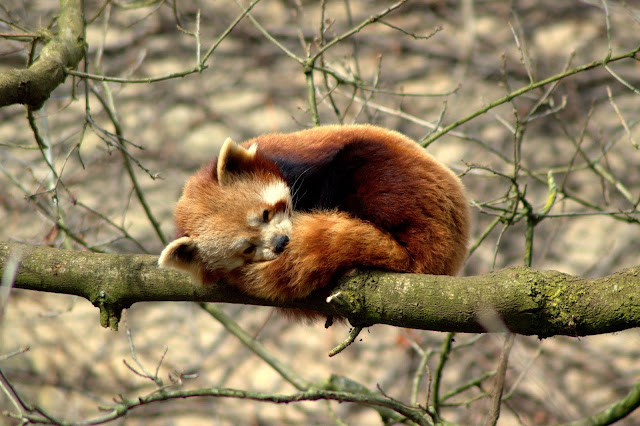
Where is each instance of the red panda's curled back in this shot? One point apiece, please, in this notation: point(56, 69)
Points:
point(284, 214)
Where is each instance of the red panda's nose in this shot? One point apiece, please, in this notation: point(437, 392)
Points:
point(280, 243)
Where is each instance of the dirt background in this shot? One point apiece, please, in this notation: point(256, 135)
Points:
point(484, 50)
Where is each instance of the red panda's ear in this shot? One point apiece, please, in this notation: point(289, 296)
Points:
point(233, 161)
point(181, 254)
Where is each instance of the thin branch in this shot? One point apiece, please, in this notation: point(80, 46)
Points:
point(225, 33)
point(316, 394)
point(372, 19)
point(199, 67)
point(622, 120)
point(13, 396)
point(109, 107)
point(353, 334)
point(466, 386)
point(445, 350)
point(528, 88)
point(498, 388)
point(417, 379)
point(435, 31)
point(616, 411)
point(268, 36)
point(256, 347)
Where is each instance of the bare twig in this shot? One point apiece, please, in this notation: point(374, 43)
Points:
point(528, 88)
point(498, 388)
point(256, 347)
point(353, 334)
point(445, 350)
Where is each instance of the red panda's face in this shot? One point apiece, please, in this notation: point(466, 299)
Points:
point(236, 214)
point(248, 221)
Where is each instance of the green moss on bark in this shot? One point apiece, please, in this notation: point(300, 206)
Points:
point(525, 301)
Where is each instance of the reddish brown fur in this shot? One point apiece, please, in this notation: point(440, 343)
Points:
point(364, 197)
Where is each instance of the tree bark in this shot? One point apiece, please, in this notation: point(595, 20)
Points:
point(33, 86)
point(520, 299)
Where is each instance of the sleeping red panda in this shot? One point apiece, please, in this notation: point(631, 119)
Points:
point(284, 214)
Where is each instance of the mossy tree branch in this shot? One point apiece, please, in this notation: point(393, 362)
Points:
point(543, 303)
point(65, 49)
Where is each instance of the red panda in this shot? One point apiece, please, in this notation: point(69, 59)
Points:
point(284, 214)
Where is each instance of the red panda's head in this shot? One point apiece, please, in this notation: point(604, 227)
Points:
point(234, 211)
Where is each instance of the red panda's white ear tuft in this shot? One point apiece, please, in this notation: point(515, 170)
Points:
point(233, 160)
point(180, 254)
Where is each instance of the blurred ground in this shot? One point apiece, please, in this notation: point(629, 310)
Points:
point(484, 50)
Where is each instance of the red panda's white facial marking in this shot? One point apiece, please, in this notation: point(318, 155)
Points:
point(276, 192)
point(273, 222)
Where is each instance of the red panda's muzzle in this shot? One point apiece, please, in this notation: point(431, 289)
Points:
point(280, 243)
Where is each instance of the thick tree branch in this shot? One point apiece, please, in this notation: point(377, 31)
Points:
point(543, 303)
point(33, 86)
